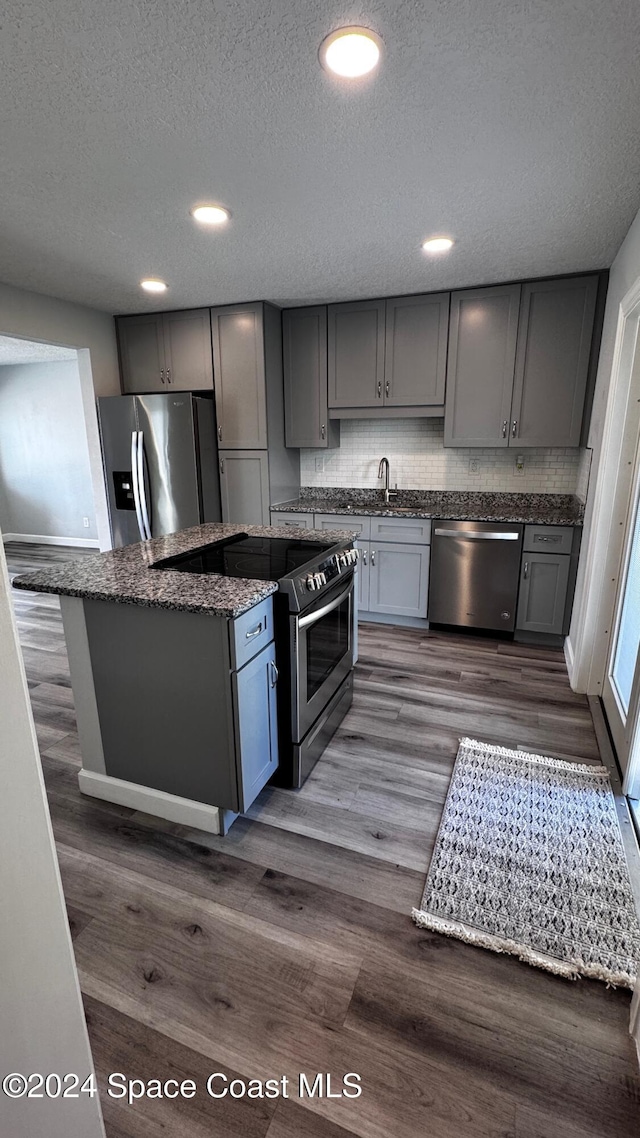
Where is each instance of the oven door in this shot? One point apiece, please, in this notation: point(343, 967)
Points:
point(321, 655)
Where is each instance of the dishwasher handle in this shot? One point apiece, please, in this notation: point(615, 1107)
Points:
point(478, 534)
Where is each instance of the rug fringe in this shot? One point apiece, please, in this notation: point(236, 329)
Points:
point(529, 757)
point(571, 971)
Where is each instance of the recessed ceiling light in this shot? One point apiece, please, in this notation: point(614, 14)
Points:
point(210, 214)
point(350, 52)
point(152, 284)
point(437, 245)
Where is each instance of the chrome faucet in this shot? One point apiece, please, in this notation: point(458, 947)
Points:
point(383, 472)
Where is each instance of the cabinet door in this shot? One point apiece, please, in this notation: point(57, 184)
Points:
point(244, 487)
point(187, 350)
point(239, 376)
point(543, 592)
point(417, 330)
point(356, 353)
point(554, 345)
point(480, 369)
point(141, 345)
point(304, 343)
point(398, 579)
point(256, 716)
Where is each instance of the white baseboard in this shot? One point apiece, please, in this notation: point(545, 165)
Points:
point(46, 539)
point(171, 807)
point(569, 658)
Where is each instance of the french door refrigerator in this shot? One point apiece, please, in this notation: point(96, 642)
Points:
point(160, 462)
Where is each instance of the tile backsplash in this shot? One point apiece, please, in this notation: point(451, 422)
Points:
point(419, 460)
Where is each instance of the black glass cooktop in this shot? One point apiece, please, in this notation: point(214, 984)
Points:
point(256, 558)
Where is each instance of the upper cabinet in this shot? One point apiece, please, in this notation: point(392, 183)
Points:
point(356, 353)
point(415, 357)
point(482, 354)
point(304, 345)
point(239, 369)
point(166, 351)
point(552, 361)
point(518, 363)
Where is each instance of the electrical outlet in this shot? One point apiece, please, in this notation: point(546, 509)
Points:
point(85, 522)
point(519, 464)
point(320, 465)
point(474, 466)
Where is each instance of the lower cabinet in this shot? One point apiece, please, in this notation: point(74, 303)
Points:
point(544, 580)
point(256, 724)
point(296, 521)
point(244, 486)
point(393, 579)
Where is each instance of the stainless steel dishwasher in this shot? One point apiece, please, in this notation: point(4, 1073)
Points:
point(475, 570)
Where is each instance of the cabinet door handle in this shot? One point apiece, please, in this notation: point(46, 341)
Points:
point(219, 434)
point(386, 389)
point(161, 375)
point(525, 570)
point(364, 557)
point(373, 556)
point(514, 428)
point(222, 466)
point(323, 431)
point(505, 424)
point(254, 631)
point(274, 673)
point(168, 375)
point(379, 389)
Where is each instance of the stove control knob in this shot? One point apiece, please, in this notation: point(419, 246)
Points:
point(311, 583)
point(345, 559)
point(320, 580)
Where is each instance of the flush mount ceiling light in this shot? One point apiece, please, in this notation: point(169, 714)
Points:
point(152, 284)
point(210, 214)
point(350, 52)
point(437, 245)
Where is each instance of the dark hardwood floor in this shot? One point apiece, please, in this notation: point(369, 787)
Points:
point(288, 946)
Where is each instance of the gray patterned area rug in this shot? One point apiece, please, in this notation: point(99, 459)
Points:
point(529, 860)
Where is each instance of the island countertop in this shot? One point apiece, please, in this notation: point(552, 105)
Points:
point(457, 505)
point(126, 576)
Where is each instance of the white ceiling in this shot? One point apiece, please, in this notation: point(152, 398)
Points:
point(14, 351)
point(511, 126)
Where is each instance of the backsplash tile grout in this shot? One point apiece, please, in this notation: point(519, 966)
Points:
point(419, 460)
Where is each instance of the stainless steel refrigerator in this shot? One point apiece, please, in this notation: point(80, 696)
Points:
point(160, 462)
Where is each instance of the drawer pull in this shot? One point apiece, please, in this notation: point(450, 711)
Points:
point(254, 631)
point(545, 537)
point(525, 571)
point(274, 673)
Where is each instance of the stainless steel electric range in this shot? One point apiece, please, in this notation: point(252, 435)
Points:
point(315, 622)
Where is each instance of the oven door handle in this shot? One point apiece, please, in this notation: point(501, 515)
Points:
point(305, 621)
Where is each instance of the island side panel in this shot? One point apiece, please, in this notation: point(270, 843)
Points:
point(81, 672)
point(162, 684)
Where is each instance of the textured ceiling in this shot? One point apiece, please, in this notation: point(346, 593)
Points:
point(27, 352)
point(511, 126)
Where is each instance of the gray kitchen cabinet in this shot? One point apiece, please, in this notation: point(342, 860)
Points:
point(552, 361)
point(256, 724)
point(239, 376)
point(356, 334)
point(544, 580)
point(304, 345)
point(295, 521)
point(166, 351)
point(417, 330)
point(398, 579)
point(244, 486)
point(360, 524)
point(141, 351)
point(482, 350)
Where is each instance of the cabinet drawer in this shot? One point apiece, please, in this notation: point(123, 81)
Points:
point(548, 539)
point(251, 632)
point(298, 521)
point(409, 530)
point(356, 523)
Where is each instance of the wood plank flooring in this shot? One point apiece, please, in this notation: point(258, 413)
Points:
point(287, 946)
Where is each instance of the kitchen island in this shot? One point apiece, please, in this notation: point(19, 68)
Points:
point(173, 674)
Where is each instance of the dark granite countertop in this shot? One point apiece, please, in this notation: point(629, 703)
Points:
point(458, 505)
point(125, 576)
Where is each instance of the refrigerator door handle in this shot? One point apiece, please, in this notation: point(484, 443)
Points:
point(136, 484)
point(142, 490)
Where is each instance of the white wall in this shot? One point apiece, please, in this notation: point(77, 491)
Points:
point(36, 317)
point(420, 461)
point(603, 528)
point(45, 474)
point(43, 1027)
